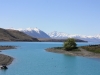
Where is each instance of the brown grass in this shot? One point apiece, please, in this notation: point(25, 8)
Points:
point(92, 48)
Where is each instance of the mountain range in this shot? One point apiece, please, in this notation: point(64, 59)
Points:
point(30, 34)
point(37, 33)
point(61, 35)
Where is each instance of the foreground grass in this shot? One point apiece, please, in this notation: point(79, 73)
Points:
point(92, 48)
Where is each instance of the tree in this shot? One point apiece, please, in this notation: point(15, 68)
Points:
point(69, 44)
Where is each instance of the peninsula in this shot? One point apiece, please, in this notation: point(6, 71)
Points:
point(81, 51)
point(70, 48)
point(5, 59)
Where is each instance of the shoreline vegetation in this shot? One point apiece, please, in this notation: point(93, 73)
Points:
point(92, 51)
point(5, 59)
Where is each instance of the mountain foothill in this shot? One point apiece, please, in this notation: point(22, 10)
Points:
point(14, 35)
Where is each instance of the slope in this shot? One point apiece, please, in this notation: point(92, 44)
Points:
point(14, 35)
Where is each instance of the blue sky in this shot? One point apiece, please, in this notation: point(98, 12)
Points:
point(70, 16)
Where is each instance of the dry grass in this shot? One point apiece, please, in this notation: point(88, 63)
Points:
point(92, 48)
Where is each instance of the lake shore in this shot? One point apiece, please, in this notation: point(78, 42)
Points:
point(7, 47)
point(5, 59)
point(81, 52)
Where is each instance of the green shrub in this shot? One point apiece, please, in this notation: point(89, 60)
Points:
point(70, 44)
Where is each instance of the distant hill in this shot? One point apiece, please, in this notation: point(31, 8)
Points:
point(35, 32)
point(14, 35)
point(59, 40)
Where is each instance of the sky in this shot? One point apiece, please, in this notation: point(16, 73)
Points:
point(69, 16)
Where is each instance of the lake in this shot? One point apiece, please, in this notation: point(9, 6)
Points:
point(30, 58)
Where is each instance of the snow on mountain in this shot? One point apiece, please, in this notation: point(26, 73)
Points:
point(35, 32)
point(61, 35)
point(55, 34)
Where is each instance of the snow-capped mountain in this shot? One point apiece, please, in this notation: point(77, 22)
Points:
point(35, 32)
point(61, 35)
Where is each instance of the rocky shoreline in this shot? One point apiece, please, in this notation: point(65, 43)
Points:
point(6, 47)
point(81, 52)
point(5, 59)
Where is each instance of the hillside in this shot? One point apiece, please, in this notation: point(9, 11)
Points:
point(14, 35)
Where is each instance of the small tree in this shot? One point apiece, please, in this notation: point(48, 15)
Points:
point(69, 44)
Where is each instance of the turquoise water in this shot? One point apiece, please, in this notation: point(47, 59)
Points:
point(32, 59)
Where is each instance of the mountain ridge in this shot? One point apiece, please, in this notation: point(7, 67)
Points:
point(61, 35)
point(35, 32)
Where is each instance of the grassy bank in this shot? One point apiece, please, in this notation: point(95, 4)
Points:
point(92, 48)
point(85, 51)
